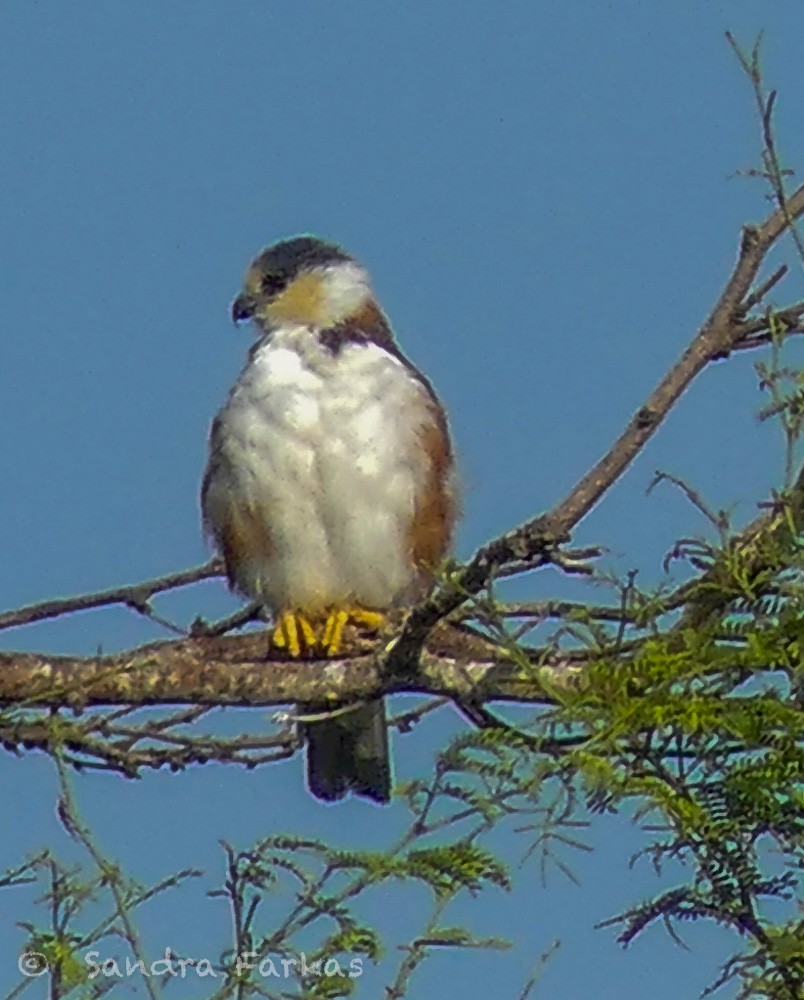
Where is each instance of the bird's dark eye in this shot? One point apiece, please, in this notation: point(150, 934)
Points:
point(272, 284)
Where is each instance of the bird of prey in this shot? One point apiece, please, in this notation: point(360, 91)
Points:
point(329, 486)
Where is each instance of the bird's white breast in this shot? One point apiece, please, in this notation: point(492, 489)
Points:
point(325, 445)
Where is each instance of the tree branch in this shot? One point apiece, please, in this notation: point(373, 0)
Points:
point(535, 540)
point(235, 670)
point(135, 596)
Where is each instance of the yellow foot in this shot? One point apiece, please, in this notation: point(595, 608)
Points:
point(294, 633)
point(332, 635)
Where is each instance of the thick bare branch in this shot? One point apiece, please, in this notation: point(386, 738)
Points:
point(235, 670)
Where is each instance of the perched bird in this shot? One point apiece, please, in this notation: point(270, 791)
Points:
point(329, 486)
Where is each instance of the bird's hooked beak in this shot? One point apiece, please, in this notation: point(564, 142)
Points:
point(243, 308)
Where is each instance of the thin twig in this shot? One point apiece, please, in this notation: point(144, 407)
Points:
point(774, 172)
point(131, 595)
point(718, 520)
point(758, 295)
point(108, 871)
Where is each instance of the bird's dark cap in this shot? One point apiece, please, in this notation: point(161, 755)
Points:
point(298, 253)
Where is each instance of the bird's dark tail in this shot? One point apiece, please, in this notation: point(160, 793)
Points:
point(349, 753)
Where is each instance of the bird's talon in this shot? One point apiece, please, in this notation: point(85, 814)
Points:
point(333, 632)
point(293, 633)
point(372, 620)
point(332, 637)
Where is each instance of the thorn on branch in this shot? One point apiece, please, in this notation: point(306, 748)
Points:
point(759, 294)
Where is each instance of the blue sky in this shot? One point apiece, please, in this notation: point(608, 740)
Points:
point(548, 197)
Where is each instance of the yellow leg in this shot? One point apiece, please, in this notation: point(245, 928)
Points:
point(332, 636)
point(294, 633)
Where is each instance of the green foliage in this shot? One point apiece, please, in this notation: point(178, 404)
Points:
point(447, 870)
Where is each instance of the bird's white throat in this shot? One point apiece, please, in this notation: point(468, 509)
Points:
point(346, 289)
